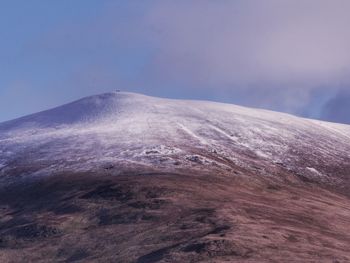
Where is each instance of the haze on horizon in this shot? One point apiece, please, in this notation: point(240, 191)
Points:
point(284, 55)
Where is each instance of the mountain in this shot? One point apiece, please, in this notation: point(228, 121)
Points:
point(124, 177)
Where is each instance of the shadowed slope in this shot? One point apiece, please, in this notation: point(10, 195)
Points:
point(164, 217)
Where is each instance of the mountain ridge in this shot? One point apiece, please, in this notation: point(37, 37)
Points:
point(120, 128)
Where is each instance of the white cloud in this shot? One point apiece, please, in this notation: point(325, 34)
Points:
point(294, 46)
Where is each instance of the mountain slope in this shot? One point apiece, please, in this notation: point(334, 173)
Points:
point(130, 128)
point(124, 177)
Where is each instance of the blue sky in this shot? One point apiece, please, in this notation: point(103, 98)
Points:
point(283, 55)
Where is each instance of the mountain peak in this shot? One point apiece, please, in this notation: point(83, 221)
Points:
point(135, 125)
point(86, 109)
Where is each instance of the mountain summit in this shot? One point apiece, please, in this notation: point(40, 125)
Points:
point(125, 177)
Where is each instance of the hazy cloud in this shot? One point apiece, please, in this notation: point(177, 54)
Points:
point(273, 49)
point(286, 55)
point(337, 109)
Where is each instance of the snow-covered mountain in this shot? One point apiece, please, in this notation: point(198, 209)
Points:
point(120, 129)
point(123, 177)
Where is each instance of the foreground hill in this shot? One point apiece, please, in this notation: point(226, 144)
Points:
point(123, 177)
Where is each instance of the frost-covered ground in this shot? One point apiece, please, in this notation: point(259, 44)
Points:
point(124, 130)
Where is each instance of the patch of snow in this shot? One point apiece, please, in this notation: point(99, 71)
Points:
point(262, 154)
point(313, 170)
point(161, 150)
point(192, 134)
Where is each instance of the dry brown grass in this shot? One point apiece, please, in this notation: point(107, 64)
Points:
point(172, 218)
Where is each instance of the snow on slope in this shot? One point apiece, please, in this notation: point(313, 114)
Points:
point(126, 129)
